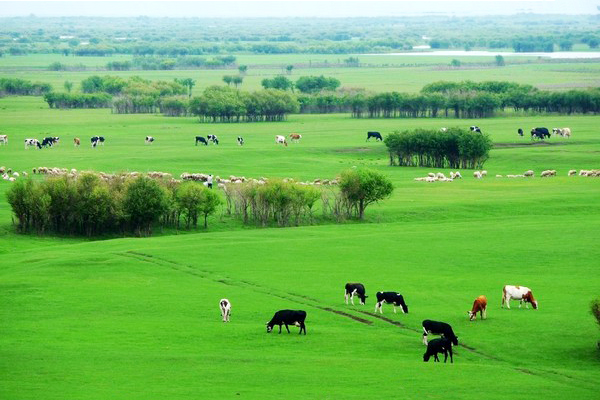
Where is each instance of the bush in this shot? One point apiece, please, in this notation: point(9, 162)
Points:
point(144, 203)
point(362, 187)
point(193, 200)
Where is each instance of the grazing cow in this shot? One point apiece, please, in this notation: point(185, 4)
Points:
point(225, 306)
point(521, 293)
point(149, 139)
point(566, 132)
point(441, 345)
point(213, 139)
point(438, 328)
point(50, 141)
point(295, 137)
point(201, 139)
point(479, 305)
point(375, 135)
point(3, 139)
point(240, 140)
point(355, 289)
point(280, 140)
point(520, 132)
point(76, 142)
point(475, 129)
point(444, 129)
point(394, 298)
point(288, 317)
point(540, 133)
point(32, 142)
point(97, 140)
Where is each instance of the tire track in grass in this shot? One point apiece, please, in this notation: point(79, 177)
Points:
point(311, 302)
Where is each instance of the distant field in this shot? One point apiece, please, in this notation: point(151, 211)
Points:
point(138, 318)
point(380, 73)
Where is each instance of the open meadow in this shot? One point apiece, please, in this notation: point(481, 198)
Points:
point(138, 318)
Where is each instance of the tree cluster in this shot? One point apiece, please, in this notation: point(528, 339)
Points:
point(91, 205)
point(21, 87)
point(455, 148)
point(78, 100)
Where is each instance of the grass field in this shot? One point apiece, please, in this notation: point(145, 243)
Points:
point(138, 318)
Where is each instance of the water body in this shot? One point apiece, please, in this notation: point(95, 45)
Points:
point(479, 53)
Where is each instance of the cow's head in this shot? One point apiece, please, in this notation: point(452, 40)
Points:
point(426, 356)
point(472, 315)
point(455, 340)
point(269, 328)
point(363, 299)
point(404, 308)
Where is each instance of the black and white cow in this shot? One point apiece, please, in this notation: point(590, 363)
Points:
point(149, 139)
point(32, 142)
point(355, 289)
point(213, 138)
point(225, 306)
point(441, 345)
point(375, 135)
point(240, 140)
point(97, 140)
point(438, 328)
point(475, 129)
point(540, 133)
point(201, 139)
point(520, 132)
point(288, 317)
point(393, 298)
point(50, 141)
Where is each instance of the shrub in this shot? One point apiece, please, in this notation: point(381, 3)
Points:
point(362, 187)
point(144, 203)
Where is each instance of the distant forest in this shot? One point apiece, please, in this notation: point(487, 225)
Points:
point(144, 36)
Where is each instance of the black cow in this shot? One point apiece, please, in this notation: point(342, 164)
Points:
point(375, 135)
point(438, 328)
point(288, 317)
point(540, 133)
point(355, 289)
point(201, 140)
point(240, 140)
point(213, 138)
point(475, 129)
point(390, 297)
point(50, 141)
point(96, 140)
point(520, 132)
point(441, 345)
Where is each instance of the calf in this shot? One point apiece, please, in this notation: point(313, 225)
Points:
point(225, 307)
point(390, 297)
point(288, 317)
point(521, 293)
point(76, 142)
point(213, 139)
point(4, 139)
point(438, 328)
point(375, 135)
point(295, 137)
point(149, 139)
point(32, 142)
point(240, 140)
point(201, 140)
point(475, 129)
point(355, 289)
point(479, 305)
point(441, 345)
point(280, 140)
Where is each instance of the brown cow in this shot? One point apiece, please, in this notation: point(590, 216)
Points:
point(479, 305)
point(76, 142)
point(295, 137)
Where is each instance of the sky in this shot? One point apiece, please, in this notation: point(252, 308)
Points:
point(294, 8)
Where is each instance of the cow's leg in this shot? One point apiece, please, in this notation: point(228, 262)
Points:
point(352, 296)
point(394, 304)
point(484, 315)
point(450, 351)
point(402, 309)
point(436, 358)
point(376, 306)
point(346, 297)
point(424, 336)
point(520, 303)
point(287, 327)
point(302, 327)
point(280, 328)
point(507, 301)
point(445, 355)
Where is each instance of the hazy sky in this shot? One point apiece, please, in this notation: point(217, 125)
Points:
point(292, 8)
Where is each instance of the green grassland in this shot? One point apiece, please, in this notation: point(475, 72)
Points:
point(138, 318)
point(380, 73)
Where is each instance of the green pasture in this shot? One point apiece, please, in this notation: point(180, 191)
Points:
point(138, 318)
point(380, 73)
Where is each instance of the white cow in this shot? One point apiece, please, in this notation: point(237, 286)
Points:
point(279, 139)
point(521, 293)
point(3, 139)
point(225, 306)
point(32, 142)
point(149, 139)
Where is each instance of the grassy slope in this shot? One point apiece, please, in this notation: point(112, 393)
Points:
point(138, 318)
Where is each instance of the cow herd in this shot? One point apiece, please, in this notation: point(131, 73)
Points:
point(442, 345)
point(542, 133)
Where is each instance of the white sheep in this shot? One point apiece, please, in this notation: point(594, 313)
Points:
point(498, 176)
point(572, 172)
point(528, 173)
point(477, 175)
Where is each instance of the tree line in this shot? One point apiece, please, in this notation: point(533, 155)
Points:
point(93, 205)
point(22, 87)
point(454, 148)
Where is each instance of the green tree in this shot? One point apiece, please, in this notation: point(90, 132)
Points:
point(289, 69)
point(243, 69)
point(68, 86)
point(187, 82)
point(237, 80)
point(362, 187)
point(500, 61)
point(455, 63)
point(314, 84)
point(228, 79)
point(279, 82)
point(144, 203)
